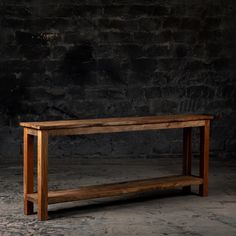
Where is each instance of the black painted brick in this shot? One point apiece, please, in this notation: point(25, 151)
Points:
point(81, 59)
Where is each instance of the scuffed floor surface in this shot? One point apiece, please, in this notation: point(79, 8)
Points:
point(155, 213)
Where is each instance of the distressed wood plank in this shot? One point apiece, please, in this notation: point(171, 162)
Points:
point(33, 132)
point(121, 121)
point(126, 128)
point(109, 190)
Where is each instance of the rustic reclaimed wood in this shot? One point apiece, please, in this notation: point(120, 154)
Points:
point(204, 157)
point(42, 175)
point(121, 121)
point(109, 190)
point(124, 128)
point(187, 154)
point(28, 170)
point(43, 130)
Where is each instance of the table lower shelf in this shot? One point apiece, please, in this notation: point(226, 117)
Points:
point(115, 189)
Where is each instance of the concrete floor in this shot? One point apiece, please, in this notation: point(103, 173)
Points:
point(155, 213)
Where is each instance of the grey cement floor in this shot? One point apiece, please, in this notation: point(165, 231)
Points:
point(155, 213)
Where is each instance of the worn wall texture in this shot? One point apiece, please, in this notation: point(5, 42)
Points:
point(68, 59)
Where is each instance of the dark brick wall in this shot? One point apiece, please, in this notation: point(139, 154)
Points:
point(96, 58)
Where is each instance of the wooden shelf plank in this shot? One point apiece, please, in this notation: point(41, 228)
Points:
point(115, 189)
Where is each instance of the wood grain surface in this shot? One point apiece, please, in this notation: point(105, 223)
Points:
point(120, 121)
point(115, 189)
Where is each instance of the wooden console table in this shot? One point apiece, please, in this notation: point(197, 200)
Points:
point(110, 125)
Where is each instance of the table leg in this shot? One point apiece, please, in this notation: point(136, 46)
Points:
point(204, 157)
point(187, 154)
point(28, 171)
point(42, 175)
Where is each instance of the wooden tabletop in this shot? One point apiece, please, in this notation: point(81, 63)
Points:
point(100, 122)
